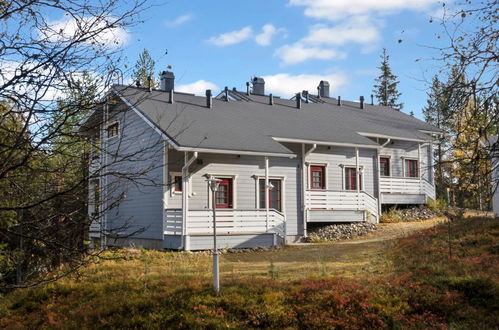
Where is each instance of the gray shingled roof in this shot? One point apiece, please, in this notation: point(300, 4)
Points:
point(251, 124)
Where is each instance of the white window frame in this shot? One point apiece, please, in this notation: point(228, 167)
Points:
point(108, 125)
point(234, 187)
point(389, 167)
point(283, 191)
point(173, 192)
point(326, 174)
point(403, 167)
point(344, 179)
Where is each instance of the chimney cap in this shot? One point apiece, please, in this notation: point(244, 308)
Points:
point(167, 74)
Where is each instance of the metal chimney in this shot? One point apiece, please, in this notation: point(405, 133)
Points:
point(167, 80)
point(170, 97)
point(226, 92)
point(339, 101)
point(271, 99)
point(362, 102)
point(324, 88)
point(298, 100)
point(258, 86)
point(372, 99)
point(248, 92)
point(209, 101)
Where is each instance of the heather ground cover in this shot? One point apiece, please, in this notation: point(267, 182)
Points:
point(401, 276)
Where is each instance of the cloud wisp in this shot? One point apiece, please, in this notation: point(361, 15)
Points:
point(286, 85)
point(233, 37)
point(179, 20)
point(198, 87)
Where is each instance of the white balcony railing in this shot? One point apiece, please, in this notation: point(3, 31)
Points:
point(397, 185)
point(229, 221)
point(341, 200)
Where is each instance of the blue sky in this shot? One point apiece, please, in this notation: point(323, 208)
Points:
point(293, 44)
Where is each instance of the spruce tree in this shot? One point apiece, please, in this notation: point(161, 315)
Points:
point(385, 88)
point(144, 70)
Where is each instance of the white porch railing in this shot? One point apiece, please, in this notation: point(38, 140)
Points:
point(229, 221)
point(341, 200)
point(399, 185)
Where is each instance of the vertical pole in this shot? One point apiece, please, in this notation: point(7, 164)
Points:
point(103, 187)
point(421, 190)
point(431, 167)
point(185, 200)
point(216, 279)
point(357, 174)
point(304, 188)
point(267, 193)
point(378, 180)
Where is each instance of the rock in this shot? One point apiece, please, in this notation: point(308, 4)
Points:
point(340, 231)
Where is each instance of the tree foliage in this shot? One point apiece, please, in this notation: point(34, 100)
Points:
point(52, 73)
point(385, 88)
point(143, 73)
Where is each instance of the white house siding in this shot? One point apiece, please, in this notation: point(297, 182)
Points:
point(336, 158)
point(398, 150)
point(244, 169)
point(136, 174)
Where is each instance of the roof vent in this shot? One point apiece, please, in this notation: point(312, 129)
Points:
point(271, 99)
point(362, 102)
point(167, 80)
point(248, 92)
point(305, 94)
point(372, 99)
point(170, 97)
point(226, 93)
point(324, 88)
point(339, 101)
point(298, 100)
point(209, 101)
point(258, 86)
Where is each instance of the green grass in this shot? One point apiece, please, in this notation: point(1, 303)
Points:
point(407, 283)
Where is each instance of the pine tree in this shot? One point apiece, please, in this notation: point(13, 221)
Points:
point(385, 88)
point(144, 70)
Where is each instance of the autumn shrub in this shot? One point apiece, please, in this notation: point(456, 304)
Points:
point(438, 206)
point(391, 216)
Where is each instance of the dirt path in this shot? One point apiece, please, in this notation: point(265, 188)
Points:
point(358, 257)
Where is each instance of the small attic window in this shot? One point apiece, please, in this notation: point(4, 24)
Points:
point(113, 129)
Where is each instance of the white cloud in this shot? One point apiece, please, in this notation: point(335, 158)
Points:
point(339, 9)
point(179, 20)
point(359, 30)
point(286, 85)
point(198, 87)
point(265, 38)
point(68, 29)
point(233, 37)
point(299, 52)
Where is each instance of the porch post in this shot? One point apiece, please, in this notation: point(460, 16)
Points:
point(185, 193)
point(357, 174)
point(430, 165)
point(267, 193)
point(304, 189)
point(421, 190)
point(378, 180)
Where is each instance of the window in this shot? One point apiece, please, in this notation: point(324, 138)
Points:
point(411, 168)
point(275, 199)
point(113, 130)
point(384, 166)
point(223, 196)
point(351, 179)
point(177, 183)
point(317, 177)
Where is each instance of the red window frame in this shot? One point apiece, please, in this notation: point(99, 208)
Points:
point(223, 196)
point(274, 203)
point(351, 179)
point(386, 162)
point(319, 171)
point(411, 168)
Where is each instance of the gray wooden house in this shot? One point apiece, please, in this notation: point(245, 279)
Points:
point(283, 164)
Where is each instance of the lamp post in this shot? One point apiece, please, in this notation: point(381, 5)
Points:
point(213, 182)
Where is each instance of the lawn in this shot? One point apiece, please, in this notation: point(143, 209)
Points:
point(399, 277)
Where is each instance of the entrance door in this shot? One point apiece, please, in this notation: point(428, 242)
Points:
point(223, 196)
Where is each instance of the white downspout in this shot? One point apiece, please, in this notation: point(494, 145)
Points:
point(267, 194)
point(304, 156)
point(185, 195)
